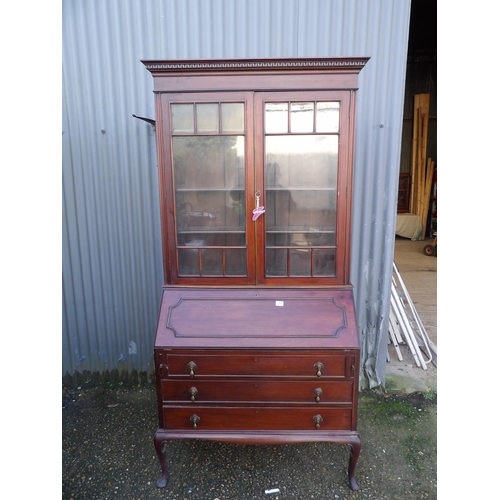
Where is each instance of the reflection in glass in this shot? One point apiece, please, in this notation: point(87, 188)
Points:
point(302, 117)
point(207, 118)
point(327, 116)
point(276, 118)
point(182, 119)
point(233, 118)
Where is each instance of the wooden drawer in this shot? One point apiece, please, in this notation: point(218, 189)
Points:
point(256, 418)
point(256, 391)
point(339, 365)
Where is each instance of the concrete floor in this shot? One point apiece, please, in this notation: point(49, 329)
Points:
point(419, 274)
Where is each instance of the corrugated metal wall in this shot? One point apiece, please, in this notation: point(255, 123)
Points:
point(112, 272)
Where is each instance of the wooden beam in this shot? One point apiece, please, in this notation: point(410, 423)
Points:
point(421, 105)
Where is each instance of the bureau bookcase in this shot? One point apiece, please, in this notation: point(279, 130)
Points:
point(256, 340)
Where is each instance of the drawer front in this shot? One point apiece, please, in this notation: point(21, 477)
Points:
point(255, 418)
point(276, 365)
point(256, 391)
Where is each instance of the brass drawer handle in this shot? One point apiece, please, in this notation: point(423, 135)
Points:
point(317, 420)
point(195, 419)
point(319, 366)
point(318, 392)
point(193, 391)
point(192, 367)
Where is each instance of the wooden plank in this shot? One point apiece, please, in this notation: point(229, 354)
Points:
point(419, 162)
point(424, 109)
point(414, 149)
point(427, 194)
point(421, 105)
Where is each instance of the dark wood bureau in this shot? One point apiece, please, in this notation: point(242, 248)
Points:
point(257, 340)
point(251, 388)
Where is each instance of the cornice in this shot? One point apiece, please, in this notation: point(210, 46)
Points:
point(255, 64)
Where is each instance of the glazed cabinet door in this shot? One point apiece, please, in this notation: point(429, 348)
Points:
point(255, 187)
point(302, 166)
point(208, 172)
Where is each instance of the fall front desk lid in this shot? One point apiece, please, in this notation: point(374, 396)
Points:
point(196, 317)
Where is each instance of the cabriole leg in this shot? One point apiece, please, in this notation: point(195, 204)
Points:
point(160, 445)
point(355, 445)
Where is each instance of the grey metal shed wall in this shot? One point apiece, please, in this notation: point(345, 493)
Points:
point(112, 266)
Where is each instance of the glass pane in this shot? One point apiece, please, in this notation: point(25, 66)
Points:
point(236, 262)
point(280, 210)
point(182, 119)
point(314, 209)
point(324, 262)
point(233, 118)
point(301, 161)
point(301, 181)
point(211, 262)
point(218, 223)
point(276, 262)
point(324, 236)
point(327, 116)
point(188, 262)
point(300, 262)
point(209, 162)
point(276, 118)
point(302, 117)
point(209, 180)
point(301, 201)
point(207, 118)
point(285, 237)
point(209, 237)
point(278, 237)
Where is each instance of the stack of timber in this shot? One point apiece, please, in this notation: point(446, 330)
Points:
point(422, 168)
point(406, 327)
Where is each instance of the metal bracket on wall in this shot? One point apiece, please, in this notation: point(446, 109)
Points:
point(149, 120)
